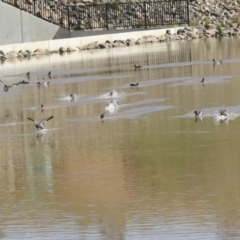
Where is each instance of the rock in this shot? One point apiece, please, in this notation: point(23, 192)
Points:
point(181, 37)
point(62, 49)
point(150, 39)
point(41, 52)
point(173, 37)
point(187, 28)
point(87, 1)
point(141, 40)
point(11, 54)
point(80, 4)
point(225, 32)
point(118, 43)
point(180, 31)
point(168, 32)
point(30, 2)
point(25, 53)
point(108, 44)
point(72, 49)
point(162, 38)
point(130, 41)
point(211, 32)
point(2, 55)
point(210, 26)
point(20, 55)
point(93, 45)
point(101, 45)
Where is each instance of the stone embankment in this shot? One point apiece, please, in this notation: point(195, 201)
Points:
point(217, 17)
point(186, 33)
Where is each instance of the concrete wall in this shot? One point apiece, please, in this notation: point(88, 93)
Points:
point(20, 27)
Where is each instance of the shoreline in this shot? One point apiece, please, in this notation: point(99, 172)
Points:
point(12, 67)
point(106, 41)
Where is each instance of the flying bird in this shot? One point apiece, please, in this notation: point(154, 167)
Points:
point(7, 87)
point(40, 125)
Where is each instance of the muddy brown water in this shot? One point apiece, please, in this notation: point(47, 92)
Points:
point(149, 170)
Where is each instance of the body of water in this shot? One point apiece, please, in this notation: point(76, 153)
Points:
point(148, 169)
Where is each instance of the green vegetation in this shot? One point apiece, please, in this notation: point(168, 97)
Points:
point(207, 20)
point(194, 23)
point(235, 19)
point(219, 27)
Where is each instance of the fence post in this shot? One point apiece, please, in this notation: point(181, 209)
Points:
point(68, 11)
point(145, 15)
point(188, 19)
point(106, 11)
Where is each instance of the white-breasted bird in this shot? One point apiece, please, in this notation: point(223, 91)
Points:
point(43, 84)
point(217, 62)
point(40, 125)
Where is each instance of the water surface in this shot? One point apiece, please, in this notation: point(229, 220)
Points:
point(148, 170)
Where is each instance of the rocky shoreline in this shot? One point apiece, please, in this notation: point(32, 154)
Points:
point(218, 18)
point(186, 33)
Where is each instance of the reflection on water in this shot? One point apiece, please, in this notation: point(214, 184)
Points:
point(148, 171)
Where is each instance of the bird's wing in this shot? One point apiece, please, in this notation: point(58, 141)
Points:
point(45, 120)
point(31, 119)
point(15, 84)
point(2, 82)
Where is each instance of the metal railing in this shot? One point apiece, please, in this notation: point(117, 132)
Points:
point(108, 16)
